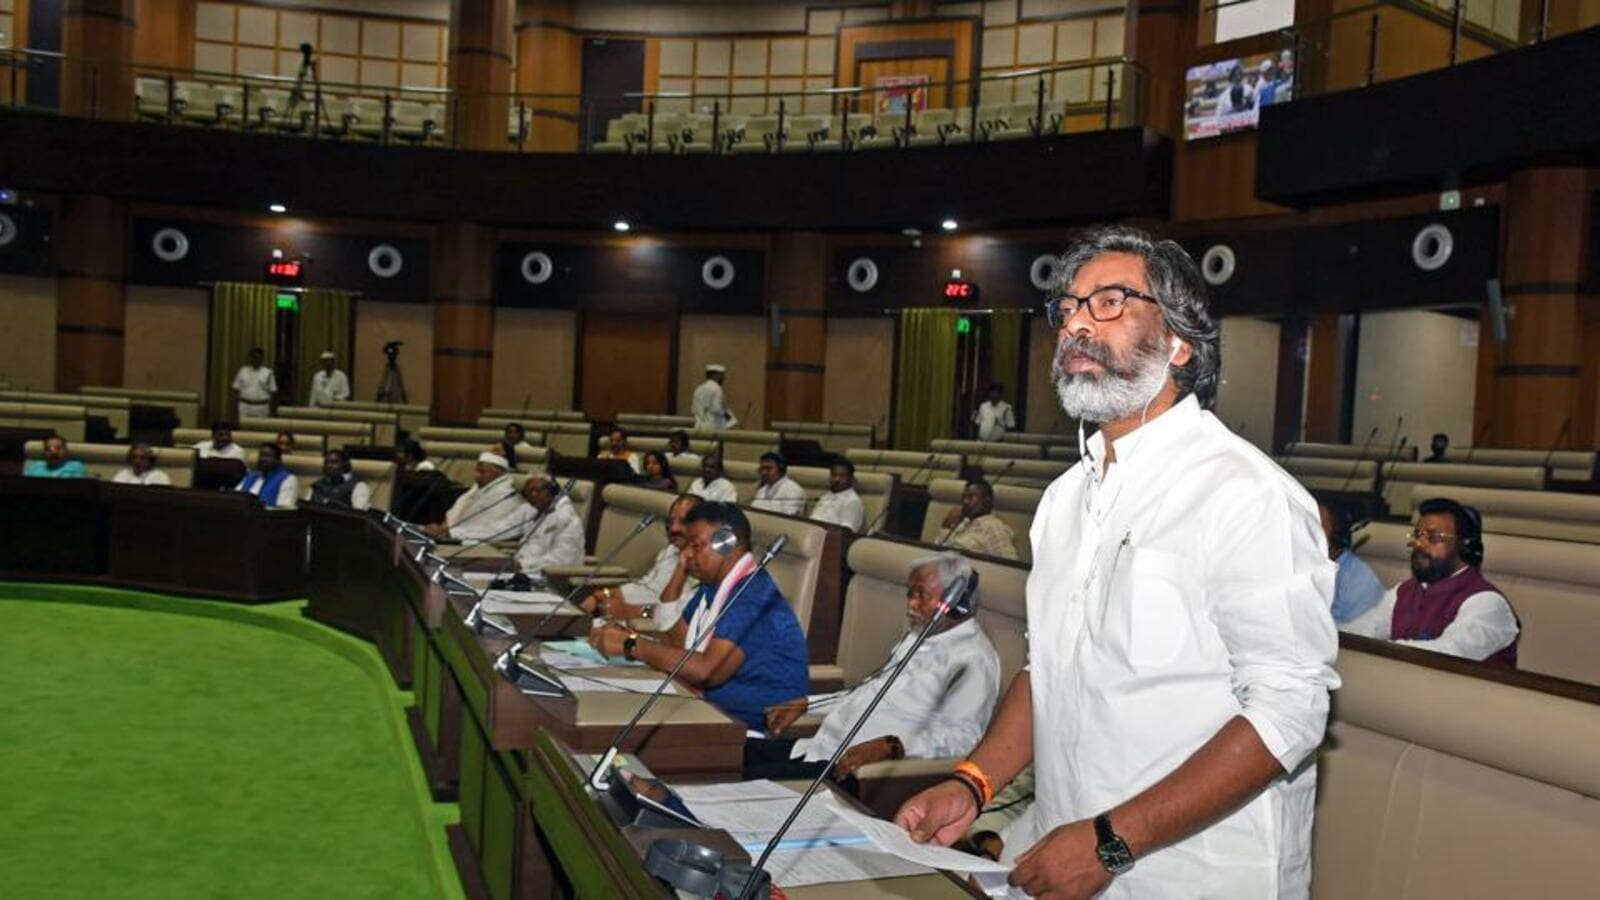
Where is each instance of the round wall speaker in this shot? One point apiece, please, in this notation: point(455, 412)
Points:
point(170, 245)
point(862, 276)
point(1044, 270)
point(1217, 265)
point(537, 267)
point(8, 229)
point(717, 272)
point(1432, 246)
point(385, 261)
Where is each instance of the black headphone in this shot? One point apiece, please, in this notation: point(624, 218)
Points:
point(966, 602)
point(1470, 542)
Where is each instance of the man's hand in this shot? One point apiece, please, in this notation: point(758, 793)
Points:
point(876, 750)
point(608, 639)
point(952, 517)
point(592, 602)
point(438, 530)
point(1062, 866)
point(941, 813)
point(782, 715)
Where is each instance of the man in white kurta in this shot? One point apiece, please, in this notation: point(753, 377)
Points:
point(553, 533)
point(254, 386)
point(1180, 640)
point(841, 505)
point(711, 485)
point(994, 417)
point(777, 492)
point(329, 385)
point(220, 445)
point(141, 468)
point(658, 593)
point(491, 510)
point(709, 406)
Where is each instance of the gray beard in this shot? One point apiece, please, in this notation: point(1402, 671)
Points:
point(1112, 395)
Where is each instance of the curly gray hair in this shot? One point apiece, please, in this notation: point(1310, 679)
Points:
point(1174, 279)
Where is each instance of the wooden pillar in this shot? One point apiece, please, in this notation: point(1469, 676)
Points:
point(97, 40)
point(480, 72)
point(549, 62)
point(165, 36)
point(463, 322)
point(1329, 370)
point(797, 279)
point(1158, 35)
point(1288, 413)
point(90, 301)
point(911, 9)
point(1537, 389)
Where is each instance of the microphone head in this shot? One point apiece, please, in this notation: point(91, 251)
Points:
point(648, 519)
point(775, 548)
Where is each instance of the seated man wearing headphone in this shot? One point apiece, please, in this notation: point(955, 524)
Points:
point(1447, 606)
point(939, 706)
point(756, 656)
point(552, 533)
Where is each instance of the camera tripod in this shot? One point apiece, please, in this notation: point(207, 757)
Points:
point(392, 387)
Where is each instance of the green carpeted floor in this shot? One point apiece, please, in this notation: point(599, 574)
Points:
point(217, 752)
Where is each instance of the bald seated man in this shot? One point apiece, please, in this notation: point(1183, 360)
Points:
point(141, 468)
point(552, 533)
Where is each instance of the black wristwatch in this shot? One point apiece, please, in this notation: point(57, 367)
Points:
point(1112, 850)
point(628, 643)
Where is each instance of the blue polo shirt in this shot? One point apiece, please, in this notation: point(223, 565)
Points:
point(38, 468)
point(1356, 588)
point(775, 666)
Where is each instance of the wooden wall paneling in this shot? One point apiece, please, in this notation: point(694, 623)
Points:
point(165, 34)
point(91, 303)
point(627, 361)
point(166, 334)
point(858, 371)
point(535, 356)
point(463, 322)
point(481, 48)
point(549, 62)
point(28, 340)
point(739, 342)
point(378, 323)
point(1215, 178)
point(955, 39)
point(796, 278)
point(97, 39)
point(1326, 378)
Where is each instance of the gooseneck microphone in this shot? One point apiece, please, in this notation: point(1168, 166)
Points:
point(475, 615)
point(1361, 457)
point(597, 776)
point(1556, 443)
point(962, 605)
point(882, 513)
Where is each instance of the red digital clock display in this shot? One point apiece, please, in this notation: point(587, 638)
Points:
point(286, 271)
point(961, 291)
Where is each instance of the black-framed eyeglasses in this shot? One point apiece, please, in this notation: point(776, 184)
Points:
point(1105, 304)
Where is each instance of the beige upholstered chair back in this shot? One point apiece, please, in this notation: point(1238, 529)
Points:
point(741, 444)
point(652, 423)
point(1553, 586)
point(643, 443)
point(104, 461)
point(385, 425)
point(875, 607)
point(1537, 514)
point(910, 466)
point(833, 437)
point(114, 409)
point(1014, 504)
point(377, 473)
point(67, 421)
point(336, 433)
point(624, 504)
point(1318, 473)
point(980, 449)
point(1035, 473)
point(580, 492)
point(1431, 780)
point(535, 415)
point(797, 568)
point(566, 438)
point(1399, 478)
point(1380, 449)
point(459, 460)
point(1042, 438)
point(1564, 465)
point(412, 416)
point(874, 487)
point(251, 441)
point(185, 404)
point(482, 436)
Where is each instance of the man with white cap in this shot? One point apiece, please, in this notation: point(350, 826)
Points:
point(710, 406)
point(491, 509)
point(330, 385)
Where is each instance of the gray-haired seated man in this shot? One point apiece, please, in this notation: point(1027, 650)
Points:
point(939, 707)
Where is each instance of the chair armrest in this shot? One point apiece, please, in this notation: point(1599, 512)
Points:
point(884, 786)
point(803, 727)
point(826, 677)
point(585, 570)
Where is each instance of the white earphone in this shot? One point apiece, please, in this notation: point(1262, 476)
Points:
point(1176, 346)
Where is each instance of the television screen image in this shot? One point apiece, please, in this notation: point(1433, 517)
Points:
point(1227, 95)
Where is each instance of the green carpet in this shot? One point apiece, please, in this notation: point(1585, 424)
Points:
point(163, 747)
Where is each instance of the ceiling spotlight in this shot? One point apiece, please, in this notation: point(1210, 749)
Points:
point(620, 225)
point(948, 224)
point(277, 208)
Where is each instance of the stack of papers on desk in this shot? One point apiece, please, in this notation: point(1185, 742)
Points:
point(577, 655)
point(603, 684)
point(523, 602)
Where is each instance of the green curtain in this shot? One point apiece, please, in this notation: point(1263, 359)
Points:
point(925, 377)
point(324, 325)
point(242, 316)
point(1005, 350)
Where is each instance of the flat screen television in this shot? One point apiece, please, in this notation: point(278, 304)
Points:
point(1226, 96)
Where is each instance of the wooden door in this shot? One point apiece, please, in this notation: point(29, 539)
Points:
point(628, 363)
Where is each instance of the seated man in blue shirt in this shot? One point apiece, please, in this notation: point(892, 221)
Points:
point(56, 463)
point(756, 655)
point(1356, 587)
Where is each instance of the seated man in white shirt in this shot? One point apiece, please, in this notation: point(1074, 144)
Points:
point(329, 385)
point(491, 510)
point(552, 534)
point(141, 468)
point(1447, 606)
point(339, 486)
point(677, 445)
point(221, 445)
point(517, 437)
point(711, 485)
point(410, 456)
point(658, 595)
point(777, 492)
point(269, 480)
point(841, 505)
point(974, 526)
point(994, 416)
point(617, 449)
point(938, 707)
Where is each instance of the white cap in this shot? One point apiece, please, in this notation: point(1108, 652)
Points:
point(716, 367)
point(494, 459)
point(327, 354)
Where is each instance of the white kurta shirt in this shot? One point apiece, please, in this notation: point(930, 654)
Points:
point(709, 408)
point(841, 508)
point(327, 387)
point(208, 450)
point(486, 513)
point(718, 491)
point(781, 496)
point(255, 385)
point(648, 588)
point(938, 707)
point(1190, 585)
point(288, 491)
point(151, 476)
point(553, 539)
point(993, 420)
point(1484, 625)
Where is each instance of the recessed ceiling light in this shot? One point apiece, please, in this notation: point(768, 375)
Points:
point(278, 208)
point(620, 225)
point(948, 225)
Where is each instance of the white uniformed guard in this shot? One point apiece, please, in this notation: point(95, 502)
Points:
point(329, 385)
point(710, 406)
point(254, 387)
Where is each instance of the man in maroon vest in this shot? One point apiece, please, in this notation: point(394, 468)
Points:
point(1447, 606)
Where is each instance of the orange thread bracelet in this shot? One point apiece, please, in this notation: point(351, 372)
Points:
point(970, 770)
